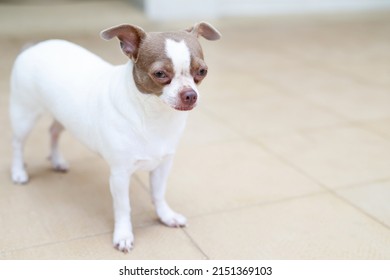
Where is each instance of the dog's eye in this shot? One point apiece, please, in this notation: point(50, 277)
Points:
point(200, 74)
point(160, 75)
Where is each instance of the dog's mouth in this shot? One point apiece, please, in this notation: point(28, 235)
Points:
point(184, 108)
point(178, 105)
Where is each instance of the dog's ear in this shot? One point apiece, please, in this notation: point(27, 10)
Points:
point(205, 30)
point(130, 37)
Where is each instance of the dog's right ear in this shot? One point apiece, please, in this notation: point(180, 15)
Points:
point(130, 37)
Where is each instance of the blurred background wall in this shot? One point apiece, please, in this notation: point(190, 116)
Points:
point(179, 9)
point(188, 9)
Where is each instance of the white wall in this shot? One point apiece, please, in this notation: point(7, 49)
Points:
point(189, 9)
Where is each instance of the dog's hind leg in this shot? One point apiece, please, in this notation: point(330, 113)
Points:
point(57, 161)
point(22, 121)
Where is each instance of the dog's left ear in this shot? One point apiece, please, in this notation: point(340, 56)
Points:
point(130, 37)
point(205, 30)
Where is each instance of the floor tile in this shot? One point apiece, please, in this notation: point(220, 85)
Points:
point(314, 227)
point(336, 157)
point(151, 243)
point(267, 111)
point(363, 53)
point(381, 126)
point(347, 96)
point(230, 175)
point(354, 100)
point(204, 129)
point(371, 198)
point(36, 19)
point(293, 109)
point(57, 207)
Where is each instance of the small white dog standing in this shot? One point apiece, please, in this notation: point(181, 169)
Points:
point(132, 115)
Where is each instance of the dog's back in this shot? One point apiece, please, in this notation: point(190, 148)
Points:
point(55, 76)
point(54, 67)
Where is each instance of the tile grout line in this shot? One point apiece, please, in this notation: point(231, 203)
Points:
point(363, 184)
point(51, 243)
point(354, 206)
point(286, 161)
point(346, 123)
point(329, 69)
point(237, 208)
point(260, 204)
point(312, 62)
point(5, 252)
point(344, 120)
point(371, 129)
point(327, 189)
point(283, 90)
point(222, 122)
point(194, 243)
point(351, 123)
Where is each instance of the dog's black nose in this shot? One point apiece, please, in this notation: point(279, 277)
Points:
point(188, 97)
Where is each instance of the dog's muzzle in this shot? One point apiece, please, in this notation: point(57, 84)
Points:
point(188, 98)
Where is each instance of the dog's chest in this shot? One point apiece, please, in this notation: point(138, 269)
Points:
point(153, 152)
point(148, 164)
point(158, 142)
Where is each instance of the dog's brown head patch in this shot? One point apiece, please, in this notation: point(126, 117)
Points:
point(154, 68)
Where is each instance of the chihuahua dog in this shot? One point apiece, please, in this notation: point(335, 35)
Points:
point(132, 114)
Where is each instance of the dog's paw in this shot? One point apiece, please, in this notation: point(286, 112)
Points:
point(173, 219)
point(124, 242)
point(19, 176)
point(59, 164)
point(61, 167)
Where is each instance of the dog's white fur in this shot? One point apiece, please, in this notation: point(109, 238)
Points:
point(101, 106)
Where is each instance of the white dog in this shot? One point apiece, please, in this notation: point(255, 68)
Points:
point(132, 115)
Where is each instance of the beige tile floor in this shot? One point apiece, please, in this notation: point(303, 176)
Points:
point(287, 157)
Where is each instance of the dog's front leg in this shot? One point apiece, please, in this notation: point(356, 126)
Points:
point(119, 185)
point(158, 182)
